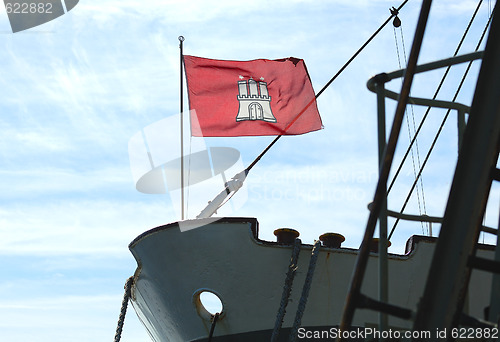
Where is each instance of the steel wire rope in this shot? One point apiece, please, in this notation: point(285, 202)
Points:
point(441, 126)
point(420, 205)
point(354, 295)
point(394, 13)
point(434, 97)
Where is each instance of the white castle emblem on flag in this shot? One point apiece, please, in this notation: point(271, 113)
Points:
point(255, 102)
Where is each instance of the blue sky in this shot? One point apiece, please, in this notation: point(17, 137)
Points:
point(75, 91)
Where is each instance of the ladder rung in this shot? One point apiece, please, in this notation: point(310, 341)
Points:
point(470, 321)
point(489, 230)
point(484, 264)
point(397, 311)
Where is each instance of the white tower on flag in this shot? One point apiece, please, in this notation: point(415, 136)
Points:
point(255, 102)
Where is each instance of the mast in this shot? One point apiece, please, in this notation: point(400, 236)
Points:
point(447, 282)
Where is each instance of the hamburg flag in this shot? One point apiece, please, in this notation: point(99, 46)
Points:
point(244, 98)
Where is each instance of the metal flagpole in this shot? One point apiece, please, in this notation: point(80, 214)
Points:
point(181, 40)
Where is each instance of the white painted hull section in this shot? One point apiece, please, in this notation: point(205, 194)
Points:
point(248, 275)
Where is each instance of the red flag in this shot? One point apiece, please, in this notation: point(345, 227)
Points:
point(258, 97)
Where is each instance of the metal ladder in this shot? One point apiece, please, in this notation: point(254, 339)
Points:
point(454, 258)
point(442, 303)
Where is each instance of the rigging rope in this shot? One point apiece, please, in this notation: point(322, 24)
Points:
point(123, 311)
point(287, 289)
point(305, 292)
point(447, 113)
point(434, 97)
point(212, 328)
point(394, 13)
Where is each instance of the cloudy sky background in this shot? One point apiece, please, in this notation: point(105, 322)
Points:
point(75, 90)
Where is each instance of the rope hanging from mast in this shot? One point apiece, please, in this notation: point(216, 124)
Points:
point(414, 151)
point(444, 119)
point(394, 13)
point(237, 181)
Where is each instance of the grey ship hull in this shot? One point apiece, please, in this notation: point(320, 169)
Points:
point(227, 258)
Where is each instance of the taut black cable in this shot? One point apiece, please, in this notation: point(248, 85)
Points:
point(394, 13)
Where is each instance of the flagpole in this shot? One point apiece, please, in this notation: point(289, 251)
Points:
point(181, 40)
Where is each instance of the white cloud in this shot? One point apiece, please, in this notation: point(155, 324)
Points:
point(76, 90)
point(78, 227)
point(80, 318)
point(34, 182)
